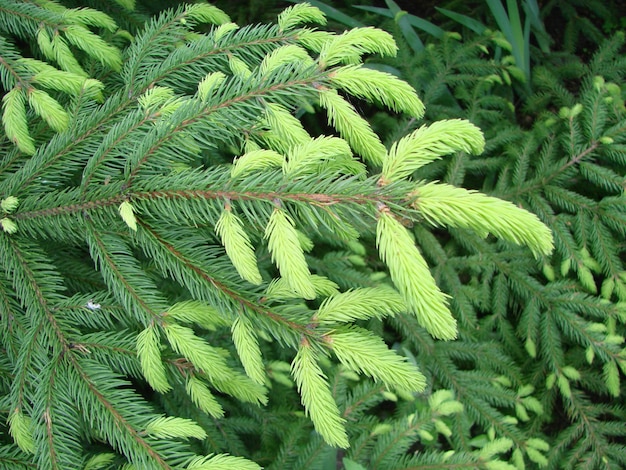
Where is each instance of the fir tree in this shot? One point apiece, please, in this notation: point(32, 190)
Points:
point(165, 215)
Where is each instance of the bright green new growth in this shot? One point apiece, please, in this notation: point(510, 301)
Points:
point(170, 426)
point(93, 45)
point(153, 99)
point(442, 402)
point(224, 29)
point(351, 45)
point(221, 462)
point(149, 353)
point(127, 212)
point(20, 430)
point(99, 461)
point(209, 84)
point(285, 55)
point(198, 312)
point(363, 352)
point(256, 160)
point(201, 396)
point(9, 204)
point(90, 17)
point(211, 363)
point(316, 397)
point(238, 247)
point(352, 127)
point(374, 86)
point(8, 225)
point(245, 340)
point(49, 109)
point(70, 83)
point(411, 275)
point(285, 130)
point(284, 246)
point(429, 143)
point(239, 68)
point(56, 48)
point(442, 204)
point(361, 304)
point(311, 156)
point(298, 14)
point(205, 13)
point(14, 120)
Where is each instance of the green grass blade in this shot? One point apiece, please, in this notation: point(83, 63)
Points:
point(464, 20)
point(415, 21)
point(531, 10)
point(408, 32)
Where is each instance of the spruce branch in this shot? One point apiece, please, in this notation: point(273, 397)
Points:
point(191, 258)
point(316, 397)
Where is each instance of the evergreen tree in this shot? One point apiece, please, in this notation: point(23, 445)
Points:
point(175, 243)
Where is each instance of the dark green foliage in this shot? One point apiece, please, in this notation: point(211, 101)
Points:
point(557, 329)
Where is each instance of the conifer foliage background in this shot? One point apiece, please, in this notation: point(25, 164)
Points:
point(192, 279)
